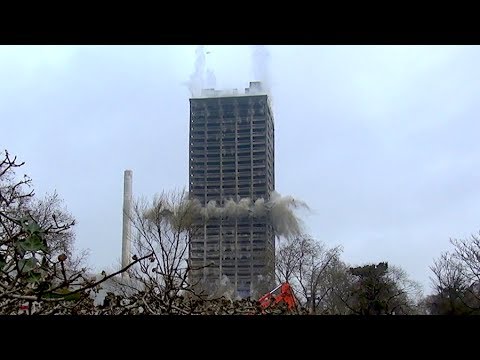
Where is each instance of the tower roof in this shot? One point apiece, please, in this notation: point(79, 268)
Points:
point(255, 88)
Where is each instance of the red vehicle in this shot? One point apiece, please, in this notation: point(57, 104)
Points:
point(286, 296)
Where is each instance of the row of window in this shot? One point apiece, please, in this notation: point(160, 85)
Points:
point(257, 186)
point(244, 113)
point(242, 148)
point(258, 145)
point(199, 136)
point(216, 125)
point(241, 249)
point(212, 149)
point(230, 111)
point(244, 237)
point(226, 119)
point(199, 140)
point(201, 183)
point(227, 178)
point(212, 241)
point(230, 262)
point(255, 225)
point(257, 160)
point(213, 103)
point(244, 172)
point(228, 131)
point(226, 161)
point(230, 158)
point(214, 194)
point(230, 251)
point(243, 186)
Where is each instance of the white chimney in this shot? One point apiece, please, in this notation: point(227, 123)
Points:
point(127, 212)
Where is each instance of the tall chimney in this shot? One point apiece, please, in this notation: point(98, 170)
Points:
point(127, 211)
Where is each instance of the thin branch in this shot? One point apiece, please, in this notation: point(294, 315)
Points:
point(109, 276)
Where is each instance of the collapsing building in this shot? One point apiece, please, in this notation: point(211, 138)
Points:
point(232, 158)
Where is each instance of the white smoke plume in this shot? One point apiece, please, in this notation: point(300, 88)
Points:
point(260, 66)
point(196, 82)
point(279, 209)
point(282, 213)
point(202, 77)
point(211, 79)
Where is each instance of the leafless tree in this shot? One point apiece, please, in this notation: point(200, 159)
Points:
point(305, 264)
point(407, 293)
point(164, 228)
point(15, 194)
point(448, 273)
point(17, 200)
point(340, 282)
point(289, 253)
point(313, 273)
point(456, 279)
point(467, 252)
point(49, 212)
point(33, 270)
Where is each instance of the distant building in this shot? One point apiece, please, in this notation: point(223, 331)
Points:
point(232, 157)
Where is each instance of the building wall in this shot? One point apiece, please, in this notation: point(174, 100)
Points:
point(232, 157)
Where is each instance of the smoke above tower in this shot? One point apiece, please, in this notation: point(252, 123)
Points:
point(211, 80)
point(261, 65)
point(197, 78)
point(203, 75)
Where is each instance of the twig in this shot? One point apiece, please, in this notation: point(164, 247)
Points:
point(109, 276)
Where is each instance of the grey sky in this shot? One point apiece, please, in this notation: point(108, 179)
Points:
point(380, 141)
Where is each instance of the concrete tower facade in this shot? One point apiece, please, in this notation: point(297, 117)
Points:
point(232, 158)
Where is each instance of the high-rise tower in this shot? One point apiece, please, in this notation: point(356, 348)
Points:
point(232, 158)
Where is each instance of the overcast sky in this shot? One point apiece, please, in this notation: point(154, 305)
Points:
point(382, 142)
